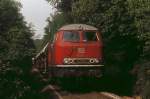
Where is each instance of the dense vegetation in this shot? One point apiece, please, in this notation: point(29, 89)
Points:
point(125, 29)
point(16, 50)
point(126, 34)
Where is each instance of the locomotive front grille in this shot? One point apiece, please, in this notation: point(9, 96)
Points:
point(81, 61)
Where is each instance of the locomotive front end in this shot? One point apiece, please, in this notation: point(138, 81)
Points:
point(78, 51)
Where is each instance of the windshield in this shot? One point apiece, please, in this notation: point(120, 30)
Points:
point(89, 36)
point(71, 36)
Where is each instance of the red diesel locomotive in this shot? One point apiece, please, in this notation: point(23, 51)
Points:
point(76, 50)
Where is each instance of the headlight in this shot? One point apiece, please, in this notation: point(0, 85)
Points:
point(71, 61)
point(92, 61)
point(96, 60)
point(68, 61)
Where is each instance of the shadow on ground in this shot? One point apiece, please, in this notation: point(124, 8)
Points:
point(121, 85)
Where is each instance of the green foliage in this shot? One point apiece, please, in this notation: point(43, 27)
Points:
point(140, 9)
point(125, 29)
point(122, 47)
point(142, 86)
point(38, 44)
point(53, 1)
point(83, 10)
point(54, 23)
point(16, 50)
point(15, 35)
point(60, 18)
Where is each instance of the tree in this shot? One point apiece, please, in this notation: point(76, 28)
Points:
point(140, 10)
point(16, 50)
point(54, 23)
point(125, 30)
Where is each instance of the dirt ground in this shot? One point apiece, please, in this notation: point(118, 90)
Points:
point(55, 93)
point(95, 95)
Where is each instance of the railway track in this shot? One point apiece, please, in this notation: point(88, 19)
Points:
point(56, 93)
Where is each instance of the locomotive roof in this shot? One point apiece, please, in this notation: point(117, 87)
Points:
point(78, 27)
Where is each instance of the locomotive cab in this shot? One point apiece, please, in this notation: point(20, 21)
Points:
point(76, 50)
